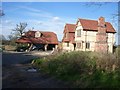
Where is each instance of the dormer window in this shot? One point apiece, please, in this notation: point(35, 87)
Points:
point(37, 34)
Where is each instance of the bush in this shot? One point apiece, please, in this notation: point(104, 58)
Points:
point(117, 53)
point(83, 69)
point(22, 47)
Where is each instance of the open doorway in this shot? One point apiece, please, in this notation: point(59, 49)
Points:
point(74, 46)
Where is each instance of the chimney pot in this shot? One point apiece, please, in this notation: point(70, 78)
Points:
point(101, 22)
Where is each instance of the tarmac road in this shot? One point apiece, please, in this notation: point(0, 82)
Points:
point(11, 58)
point(15, 74)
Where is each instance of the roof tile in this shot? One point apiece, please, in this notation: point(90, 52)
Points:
point(47, 37)
point(70, 28)
point(92, 25)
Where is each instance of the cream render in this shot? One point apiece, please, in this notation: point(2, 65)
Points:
point(86, 36)
point(70, 47)
point(90, 36)
point(68, 38)
point(111, 41)
point(86, 41)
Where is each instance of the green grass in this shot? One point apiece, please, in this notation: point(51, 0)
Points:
point(82, 69)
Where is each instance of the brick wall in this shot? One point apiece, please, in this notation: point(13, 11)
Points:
point(101, 37)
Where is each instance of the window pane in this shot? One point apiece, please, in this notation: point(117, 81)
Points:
point(78, 32)
point(67, 44)
point(88, 45)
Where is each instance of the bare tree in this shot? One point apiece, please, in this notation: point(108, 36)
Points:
point(114, 17)
point(20, 29)
point(1, 12)
point(12, 37)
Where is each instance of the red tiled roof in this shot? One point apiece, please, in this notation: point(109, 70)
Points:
point(69, 28)
point(71, 37)
point(30, 34)
point(51, 37)
point(47, 37)
point(23, 40)
point(39, 40)
point(92, 25)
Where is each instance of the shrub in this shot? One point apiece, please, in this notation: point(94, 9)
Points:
point(117, 53)
point(22, 47)
point(83, 69)
point(107, 62)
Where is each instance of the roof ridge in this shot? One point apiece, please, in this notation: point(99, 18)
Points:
point(92, 25)
point(36, 31)
point(93, 20)
point(87, 19)
point(70, 24)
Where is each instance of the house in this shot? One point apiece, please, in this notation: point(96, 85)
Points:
point(94, 35)
point(68, 41)
point(40, 39)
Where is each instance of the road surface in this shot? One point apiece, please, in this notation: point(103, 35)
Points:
point(12, 58)
point(15, 73)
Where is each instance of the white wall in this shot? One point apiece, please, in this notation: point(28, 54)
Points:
point(71, 46)
point(111, 41)
point(86, 36)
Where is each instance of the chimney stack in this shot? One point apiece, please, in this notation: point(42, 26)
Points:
point(101, 37)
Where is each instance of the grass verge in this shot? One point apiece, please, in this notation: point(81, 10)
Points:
point(83, 69)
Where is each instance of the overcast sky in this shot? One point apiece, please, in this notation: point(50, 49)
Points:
point(52, 16)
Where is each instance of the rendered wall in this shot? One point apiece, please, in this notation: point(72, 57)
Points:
point(90, 36)
point(65, 47)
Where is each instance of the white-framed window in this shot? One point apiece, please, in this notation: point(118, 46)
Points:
point(37, 34)
point(78, 33)
point(87, 45)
